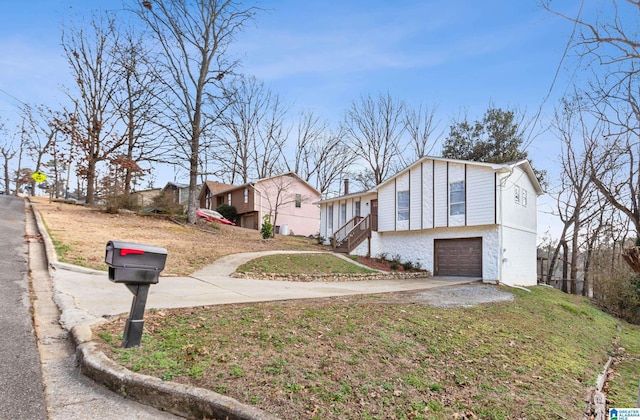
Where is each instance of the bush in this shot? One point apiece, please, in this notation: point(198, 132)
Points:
point(229, 212)
point(165, 204)
point(407, 266)
point(617, 291)
point(116, 202)
point(267, 227)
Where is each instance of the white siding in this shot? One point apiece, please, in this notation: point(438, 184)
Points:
point(516, 215)
point(519, 257)
point(387, 207)
point(402, 184)
point(480, 195)
point(418, 247)
point(456, 174)
point(441, 194)
point(427, 194)
point(416, 205)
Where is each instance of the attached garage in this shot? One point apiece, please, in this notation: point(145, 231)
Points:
point(458, 257)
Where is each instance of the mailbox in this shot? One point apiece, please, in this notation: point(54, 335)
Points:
point(137, 266)
point(134, 263)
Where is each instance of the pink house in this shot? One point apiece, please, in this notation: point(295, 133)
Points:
point(287, 199)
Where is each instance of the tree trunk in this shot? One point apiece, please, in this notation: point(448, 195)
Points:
point(565, 251)
point(91, 178)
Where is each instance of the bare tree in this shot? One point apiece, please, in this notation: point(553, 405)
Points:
point(193, 37)
point(420, 126)
point(332, 160)
point(88, 51)
point(321, 156)
point(577, 199)
point(42, 132)
point(374, 129)
point(8, 152)
point(310, 132)
point(137, 104)
point(609, 44)
point(251, 144)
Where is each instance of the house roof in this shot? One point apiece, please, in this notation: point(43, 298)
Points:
point(180, 186)
point(498, 167)
point(252, 184)
point(350, 195)
point(215, 187)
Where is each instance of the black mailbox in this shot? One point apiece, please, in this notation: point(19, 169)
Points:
point(137, 266)
point(134, 263)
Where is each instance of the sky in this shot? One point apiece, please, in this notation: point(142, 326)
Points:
point(460, 56)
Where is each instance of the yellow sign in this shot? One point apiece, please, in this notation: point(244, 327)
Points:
point(39, 176)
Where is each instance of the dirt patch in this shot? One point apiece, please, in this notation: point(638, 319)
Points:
point(452, 296)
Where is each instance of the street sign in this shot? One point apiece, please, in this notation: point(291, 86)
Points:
point(39, 176)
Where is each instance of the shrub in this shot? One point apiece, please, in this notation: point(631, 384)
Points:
point(229, 212)
point(114, 203)
point(165, 204)
point(267, 227)
point(407, 266)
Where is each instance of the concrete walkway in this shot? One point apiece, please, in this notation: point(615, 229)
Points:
point(88, 294)
point(85, 297)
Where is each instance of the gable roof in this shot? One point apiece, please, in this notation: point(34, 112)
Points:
point(498, 167)
point(215, 186)
point(261, 180)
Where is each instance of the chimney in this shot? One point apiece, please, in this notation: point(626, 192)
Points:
point(346, 186)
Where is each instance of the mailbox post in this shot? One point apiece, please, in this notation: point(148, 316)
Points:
point(137, 266)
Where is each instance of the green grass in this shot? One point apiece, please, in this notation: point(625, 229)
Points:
point(354, 357)
point(301, 264)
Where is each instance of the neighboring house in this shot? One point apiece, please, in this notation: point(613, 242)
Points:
point(208, 193)
point(453, 217)
point(145, 197)
point(178, 192)
point(290, 201)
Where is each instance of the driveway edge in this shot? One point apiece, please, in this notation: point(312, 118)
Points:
point(182, 400)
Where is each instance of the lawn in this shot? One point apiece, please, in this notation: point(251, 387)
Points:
point(362, 357)
point(357, 357)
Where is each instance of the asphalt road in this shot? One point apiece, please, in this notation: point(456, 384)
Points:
point(22, 395)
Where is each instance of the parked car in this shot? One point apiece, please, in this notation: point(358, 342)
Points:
point(213, 216)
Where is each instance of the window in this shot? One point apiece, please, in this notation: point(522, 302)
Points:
point(456, 198)
point(330, 216)
point(298, 200)
point(403, 205)
point(356, 209)
point(516, 197)
point(524, 198)
point(343, 213)
point(229, 198)
point(246, 195)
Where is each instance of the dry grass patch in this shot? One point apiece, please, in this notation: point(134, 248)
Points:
point(81, 233)
point(359, 357)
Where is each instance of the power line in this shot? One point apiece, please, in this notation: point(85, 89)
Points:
point(555, 76)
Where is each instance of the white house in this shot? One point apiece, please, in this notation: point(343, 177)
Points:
point(453, 217)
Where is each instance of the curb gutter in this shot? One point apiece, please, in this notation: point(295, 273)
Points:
point(182, 400)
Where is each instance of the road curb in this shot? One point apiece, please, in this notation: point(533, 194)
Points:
point(178, 399)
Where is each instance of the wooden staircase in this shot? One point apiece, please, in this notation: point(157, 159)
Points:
point(351, 234)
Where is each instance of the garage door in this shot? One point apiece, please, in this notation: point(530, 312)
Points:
point(458, 257)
